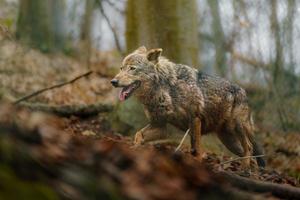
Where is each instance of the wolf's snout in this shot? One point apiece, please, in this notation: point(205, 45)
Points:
point(114, 82)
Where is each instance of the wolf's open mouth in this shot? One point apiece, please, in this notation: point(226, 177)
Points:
point(126, 91)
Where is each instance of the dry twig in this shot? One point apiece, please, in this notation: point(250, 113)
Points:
point(52, 87)
point(241, 158)
point(182, 140)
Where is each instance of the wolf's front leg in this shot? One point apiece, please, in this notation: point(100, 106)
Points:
point(195, 132)
point(149, 133)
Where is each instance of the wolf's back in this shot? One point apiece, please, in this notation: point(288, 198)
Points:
point(216, 86)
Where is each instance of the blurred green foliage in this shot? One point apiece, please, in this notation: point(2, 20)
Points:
point(13, 188)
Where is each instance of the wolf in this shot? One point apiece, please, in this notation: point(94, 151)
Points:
point(189, 100)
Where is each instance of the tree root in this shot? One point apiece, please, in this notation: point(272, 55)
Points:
point(278, 190)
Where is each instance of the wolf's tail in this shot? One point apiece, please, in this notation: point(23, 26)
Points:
point(257, 149)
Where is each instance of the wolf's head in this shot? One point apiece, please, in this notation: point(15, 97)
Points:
point(137, 70)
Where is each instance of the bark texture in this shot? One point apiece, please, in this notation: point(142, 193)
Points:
point(169, 24)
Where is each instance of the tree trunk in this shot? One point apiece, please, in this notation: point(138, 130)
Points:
point(58, 18)
point(85, 34)
point(275, 28)
point(278, 67)
point(289, 29)
point(168, 24)
point(41, 24)
point(218, 39)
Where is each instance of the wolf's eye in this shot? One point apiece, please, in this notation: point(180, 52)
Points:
point(132, 68)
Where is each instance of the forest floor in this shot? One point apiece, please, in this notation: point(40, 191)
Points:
point(73, 154)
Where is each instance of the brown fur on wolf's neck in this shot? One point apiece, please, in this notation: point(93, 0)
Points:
point(173, 94)
point(184, 97)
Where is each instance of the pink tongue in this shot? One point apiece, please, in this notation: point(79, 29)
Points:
point(123, 94)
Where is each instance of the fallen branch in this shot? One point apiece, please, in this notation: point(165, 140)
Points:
point(70, 110)
point(52, 87)
point(281, 191)
point(241, 158)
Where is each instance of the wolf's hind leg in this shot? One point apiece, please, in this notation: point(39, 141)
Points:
point(195, 133)
point(149, 133)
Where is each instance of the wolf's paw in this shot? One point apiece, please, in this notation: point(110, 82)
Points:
point(138, 139)
point(246, 164)
point(199, 155)
point(204, 155)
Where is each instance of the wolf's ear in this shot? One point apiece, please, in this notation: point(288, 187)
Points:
point(153, 55)
point(141, 49)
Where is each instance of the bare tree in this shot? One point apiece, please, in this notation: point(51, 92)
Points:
point(85, 32)
point(289, 29)
point(218, 38)
point(41, 24)
point(277, 69)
